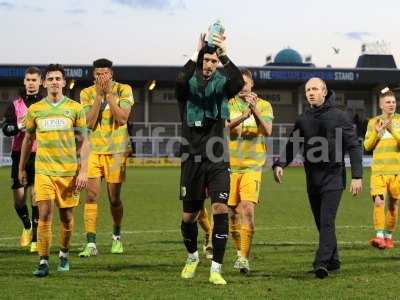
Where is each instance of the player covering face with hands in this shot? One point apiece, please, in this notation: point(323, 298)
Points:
point(107, 105)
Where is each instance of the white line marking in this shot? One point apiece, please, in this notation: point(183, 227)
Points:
point(177, 230)
point(260, 243)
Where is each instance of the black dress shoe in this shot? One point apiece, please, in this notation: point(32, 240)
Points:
point(333, 267)
point(321, 272)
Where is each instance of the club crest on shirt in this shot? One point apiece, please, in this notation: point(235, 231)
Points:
point(67, 113)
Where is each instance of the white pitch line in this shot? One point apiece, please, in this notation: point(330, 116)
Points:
point(275, 243)
point(303, 243)
point(177, 230)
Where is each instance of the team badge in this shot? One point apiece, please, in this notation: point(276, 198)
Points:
point(67, 113)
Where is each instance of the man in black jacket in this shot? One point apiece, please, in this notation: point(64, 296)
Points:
point(203, 94)
point(14, 126)
point(325, 133)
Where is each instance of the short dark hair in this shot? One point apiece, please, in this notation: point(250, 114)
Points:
point(54, 68)
point(247, 72)
point(102, 63)
point(209, 50)
point(33, 70)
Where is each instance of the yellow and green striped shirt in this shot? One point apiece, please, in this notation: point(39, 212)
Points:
point(247, 144)
point(55, 126)
point(108, 136)
point(386, 151)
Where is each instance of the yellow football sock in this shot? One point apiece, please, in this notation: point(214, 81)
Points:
point(117, 212)
point(246, 236)
point(235, 233)
point(391, 219)
point(204, 222)
point(379, 217)
point(90, 217)
point(66, 233)
point(44, 237)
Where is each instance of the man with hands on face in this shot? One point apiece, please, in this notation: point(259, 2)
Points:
point(325, 133)
point(107, 105)
point(58, 125)
point(383, 138)
point(250, 122)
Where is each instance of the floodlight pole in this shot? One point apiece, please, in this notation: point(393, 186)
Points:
point(146, 106)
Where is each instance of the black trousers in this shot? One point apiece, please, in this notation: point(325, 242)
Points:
point(324, 206)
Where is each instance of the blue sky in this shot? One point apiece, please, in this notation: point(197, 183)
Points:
point(161, 32)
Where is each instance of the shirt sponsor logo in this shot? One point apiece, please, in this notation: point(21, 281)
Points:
point(53, 124)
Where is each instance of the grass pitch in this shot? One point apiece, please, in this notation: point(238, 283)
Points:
point(282, 252)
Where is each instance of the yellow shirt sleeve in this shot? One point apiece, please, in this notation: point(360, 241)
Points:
point(371, 137)
point(30, 123)
point(395, 131)
point(125, 96)
point(84, 98)
point(267, 113)
point(80, 121)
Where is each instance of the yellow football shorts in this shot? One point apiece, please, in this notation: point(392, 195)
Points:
point(111, 167)
point(244, 186)
point(385, 184)
point(60, 189)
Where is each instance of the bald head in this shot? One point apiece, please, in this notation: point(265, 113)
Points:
point(316, 91)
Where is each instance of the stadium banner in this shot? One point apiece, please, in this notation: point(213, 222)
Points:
point(175, 162)
point(260, 74)
point(153, 161)
point(5, 161)
point(304, 75)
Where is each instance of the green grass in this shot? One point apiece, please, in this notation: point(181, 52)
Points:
point(282, 252)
